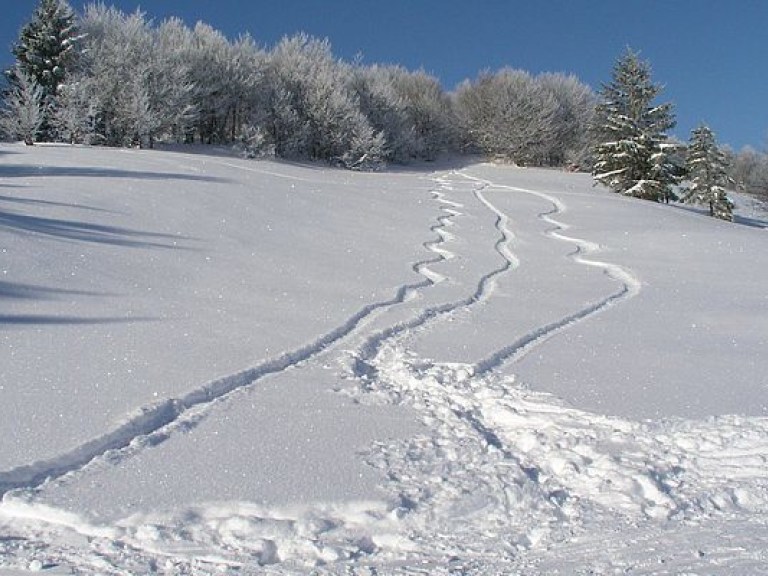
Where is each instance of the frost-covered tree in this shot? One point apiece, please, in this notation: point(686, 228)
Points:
point(506, 115)
point(530, 120)
point(22, 115)
point(113, 72)
point(135, 83)
point(170, 83)
point(570, 145)
point(133, 80)
point(74, 118)
point(384, 108)
point(708, 176)
point(228, 84)
point(45, 50)
point(749, 169)
point(311, 109)
point(428, 112)
point(633, 155)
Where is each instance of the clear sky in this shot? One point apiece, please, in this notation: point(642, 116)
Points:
point(711, 55)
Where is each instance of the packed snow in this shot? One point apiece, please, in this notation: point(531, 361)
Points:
point(216, 365)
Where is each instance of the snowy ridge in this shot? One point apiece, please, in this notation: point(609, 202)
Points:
point(152, 424)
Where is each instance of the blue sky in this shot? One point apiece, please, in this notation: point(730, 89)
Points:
point(709, 54)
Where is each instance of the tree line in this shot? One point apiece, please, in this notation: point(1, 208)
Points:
point(105, 77)
point(111, 78)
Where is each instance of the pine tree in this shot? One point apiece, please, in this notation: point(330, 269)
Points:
point(633, 155)
point(707, 168)
point(45, 50)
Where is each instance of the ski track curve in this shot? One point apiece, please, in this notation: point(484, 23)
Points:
point(450, 209)
point(367, 351)
point(154, 423)
point(630, 284)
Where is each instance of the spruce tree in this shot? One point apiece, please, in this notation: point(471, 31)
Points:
point(707, 168)
point(45, 50)
point(633, 155)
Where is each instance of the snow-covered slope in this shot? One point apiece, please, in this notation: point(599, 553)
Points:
point(210, 364)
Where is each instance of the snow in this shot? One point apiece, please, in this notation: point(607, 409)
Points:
point(212, 365)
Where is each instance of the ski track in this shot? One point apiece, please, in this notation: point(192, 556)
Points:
point(153, 424)
point(443, 236)
point(630, 285)
point(361, 359)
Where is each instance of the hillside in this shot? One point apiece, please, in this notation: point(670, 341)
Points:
point(209, 364)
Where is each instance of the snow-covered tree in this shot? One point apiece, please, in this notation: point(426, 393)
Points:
point(74, 118)
point(45, 50)
point(133, 80)
point(530, 120)
point(384, 108)
point(171, 87)
point(749, 170)
point(117, 52)
point(228, 85)
point(573, 116)
point(633, 155)
point(707, 171)
point(311, 108)
point(134, 83)
point(505, 115)
point(428, 112)
point(22, 115)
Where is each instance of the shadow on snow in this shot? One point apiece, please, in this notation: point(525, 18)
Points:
point(8, 321)
point(26, 171)
point(89, 232)
point(753, 222)
point(17, 291)
point(38, 202)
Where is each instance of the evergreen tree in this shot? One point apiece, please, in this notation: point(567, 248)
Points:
point(633, 155)
point(707, 168)
point(45, 50)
